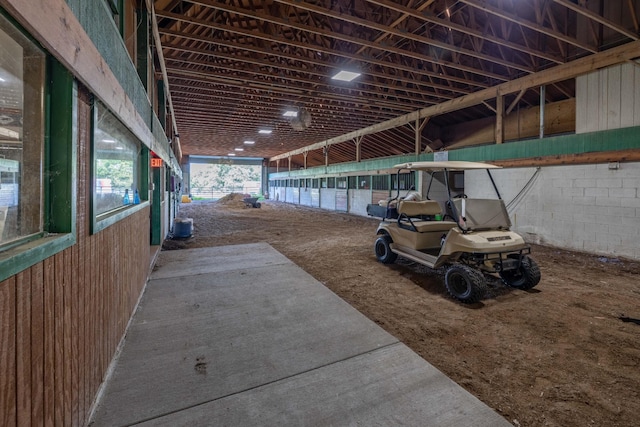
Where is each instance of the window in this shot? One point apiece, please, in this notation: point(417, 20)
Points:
point(380, 182)
point(22, 128)
point(341, 182)
point(353, 182)
point(116, 163)
point(331, 182)
point(407, 180)
point(364, 182)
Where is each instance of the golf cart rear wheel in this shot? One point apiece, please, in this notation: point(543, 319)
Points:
point(525, 277)
point(383, 250)
point(465, 283)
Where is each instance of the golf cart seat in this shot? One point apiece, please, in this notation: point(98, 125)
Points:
point(426, 210)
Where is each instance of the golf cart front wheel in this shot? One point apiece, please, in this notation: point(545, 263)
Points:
point(525, 277)
point(465, 283)
point(383, 250)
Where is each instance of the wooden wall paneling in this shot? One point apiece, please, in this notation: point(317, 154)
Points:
point(75, 336)
point(582, 103)
point(8, 415)
point(614, 102)
point(628, 95)
point(83, 403)
point(636, 94)
point(58, 320)
point(37, 344)
point(68, 354)
point(49, 339)
point(92, 337)
point(593, 102)
point(603, 97)
point(84, 248)
point(23, 347)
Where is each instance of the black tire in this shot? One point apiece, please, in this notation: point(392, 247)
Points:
point(525, 277)
point(465, 283)
point(383, 250)
point(257, 205)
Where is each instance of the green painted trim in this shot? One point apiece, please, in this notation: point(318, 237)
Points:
point(61, 144)
point(111, 218)
point(602, 141)
point(144, 173)
point(21, 257)
point(156, 208)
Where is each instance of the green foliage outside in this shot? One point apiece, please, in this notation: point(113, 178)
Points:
point(222, 176)
point(119, 171)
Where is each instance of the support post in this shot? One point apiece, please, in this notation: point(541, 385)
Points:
point(325, 151)
point(542, 102)
point(289, 163)
point(277, 165)
point(499, 118)
point(358, 141)
point(305, 154)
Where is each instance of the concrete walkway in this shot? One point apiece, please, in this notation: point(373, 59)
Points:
point(241, 336)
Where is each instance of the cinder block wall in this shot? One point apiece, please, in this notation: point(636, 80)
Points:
point(590, 208)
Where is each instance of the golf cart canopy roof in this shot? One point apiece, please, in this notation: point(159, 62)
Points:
point(449, 165)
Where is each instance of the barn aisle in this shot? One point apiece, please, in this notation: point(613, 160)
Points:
point(241, 336)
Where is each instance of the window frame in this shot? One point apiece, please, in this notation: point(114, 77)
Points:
point(103, 220)
point(59, 164)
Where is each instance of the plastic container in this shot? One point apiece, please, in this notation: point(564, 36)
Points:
point(182, 227)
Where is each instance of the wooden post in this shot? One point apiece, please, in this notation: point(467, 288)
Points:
point(542, 102)
point(277, 165)
point(289, 163)
point(305, 154)
point(325, 151)
point(358, 141)
point(499, 118)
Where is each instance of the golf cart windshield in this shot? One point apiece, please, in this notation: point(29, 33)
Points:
point(483, 214)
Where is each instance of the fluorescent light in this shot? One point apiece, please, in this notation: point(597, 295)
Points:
point(239, 149)
point(345, 76)
point(249, 142)
point(265, 131)
point(231, 154)
point(2, 80)
point(290, 113)
point(109, 141)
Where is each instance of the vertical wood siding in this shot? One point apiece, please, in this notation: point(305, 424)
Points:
point(62, 319)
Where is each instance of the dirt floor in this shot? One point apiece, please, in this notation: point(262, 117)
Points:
point(566, 353)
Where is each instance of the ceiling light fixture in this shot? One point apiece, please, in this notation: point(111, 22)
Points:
point(345, 76)
point(231, 154)
point(265, 131)
point(290, 113)
point(249, 142)
point(109, 141)
point(239, 149)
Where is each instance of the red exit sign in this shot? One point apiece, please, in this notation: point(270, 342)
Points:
point(156, 162)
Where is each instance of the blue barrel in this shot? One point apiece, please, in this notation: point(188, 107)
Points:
point(182, 227)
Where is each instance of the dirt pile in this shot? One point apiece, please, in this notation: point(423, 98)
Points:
point(233, 200)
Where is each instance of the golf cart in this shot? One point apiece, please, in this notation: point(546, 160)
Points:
point(469, 237)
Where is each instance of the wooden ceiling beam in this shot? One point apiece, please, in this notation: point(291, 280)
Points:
point(402, 34)
point(558, 73)
point(532, 26)
point(328, 33)
point(417, 13)
point(597, 18)
point(299, 45)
